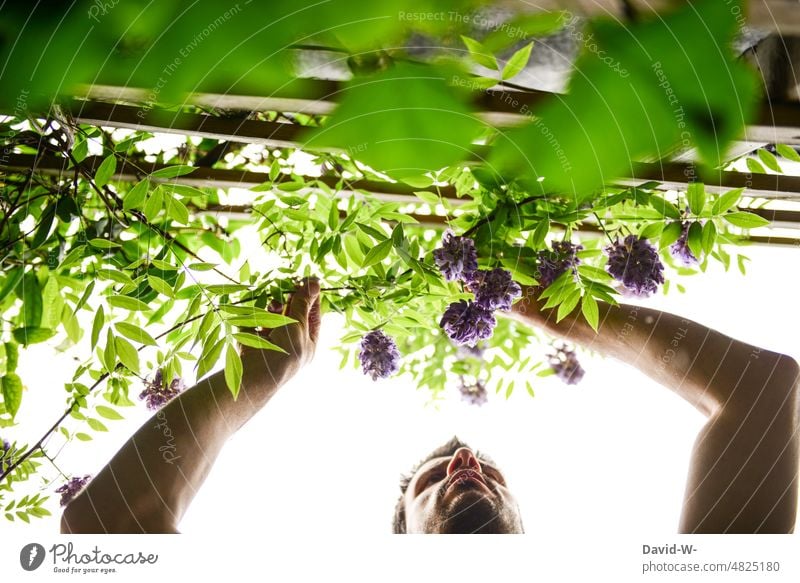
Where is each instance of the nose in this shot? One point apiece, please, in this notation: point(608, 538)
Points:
point(463, 459)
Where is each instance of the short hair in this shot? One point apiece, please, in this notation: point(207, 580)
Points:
point(448, 449)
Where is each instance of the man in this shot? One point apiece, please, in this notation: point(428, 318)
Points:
point(742, 479)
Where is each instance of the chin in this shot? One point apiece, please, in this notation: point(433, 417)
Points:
point(474, 513)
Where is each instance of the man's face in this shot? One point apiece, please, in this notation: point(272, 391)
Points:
point(460, 494)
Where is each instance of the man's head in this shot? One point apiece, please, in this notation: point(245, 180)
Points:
point(455, 490)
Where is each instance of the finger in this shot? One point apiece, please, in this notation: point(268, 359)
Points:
point(303, 300)
point(314, 320)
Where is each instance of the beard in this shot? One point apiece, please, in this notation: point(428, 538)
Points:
point(474, 513)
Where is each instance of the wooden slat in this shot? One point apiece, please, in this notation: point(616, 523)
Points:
point(676, 176)
point(775, 122)
point(441, 222)
point(282, 135)
point(216, 177)
point(386, 191)
point(672, 176)
point(778, 15)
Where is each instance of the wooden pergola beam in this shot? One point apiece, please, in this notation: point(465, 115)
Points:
point(775, 122)
point(216, 177)
point(441, 222)
point(386, 191)
point(674, 175)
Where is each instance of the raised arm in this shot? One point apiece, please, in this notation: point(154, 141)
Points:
point(143, 489)
point(744, 468)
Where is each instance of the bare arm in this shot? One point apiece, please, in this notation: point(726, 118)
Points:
point(152, 479)
point(743, 474)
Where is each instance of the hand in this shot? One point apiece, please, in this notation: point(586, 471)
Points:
point(299, 340)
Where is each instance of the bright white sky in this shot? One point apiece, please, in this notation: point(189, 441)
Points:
point(609, 455)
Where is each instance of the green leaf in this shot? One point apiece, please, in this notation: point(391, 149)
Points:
point(787, 152)
point(745, 220)
point(652, 230)
point(664, 207)
point(377, 253)
point(210, 357)
point(403, 121)
point(105, 171)
point(153, 205)
point(172, 171)
point(709, 237)
point(104, 244)
point(696, 195)
point(80, 149)
point(256, 341)
point(32, 301)
point(233, 371)
point(611, 100)
point(333, 216)
point(568, 304)
point(755, 166)
point(99, 322)
point(83, 436)
point(96, 424)
point(71, 325)
point(53, 303)
point(12, 393)
point(136, 195)
point(135, 333)
point(110, 352)
point(726, 201)
point(695, 239)
point(12, 356)
point(108, 413)
point(740, 261)
point(590, 310)
point(539, 234)
point(480, 54)
point(127, 354)
point(594, 273)
point(45, 225)
point(177, 210)
point(127, 303)
point(517, 62)
point(13, 277)
point(185, 190)
point(202, 266)
point(398, 236)
point(259, 315)
point(160, 286)
point(769, 160)
point(32, 334)
point(525, 25)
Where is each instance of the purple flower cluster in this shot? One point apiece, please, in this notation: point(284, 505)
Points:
point(72, 488)
point(474, 393)
point(456, 258)
point(552, 263)
point(379, 355)
point(636, 264)
point(465, 351)
point(565, 364)
point(3, 453)
point(494, 289)
point(680, 248)
point(467, 322)
point(157, 394)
